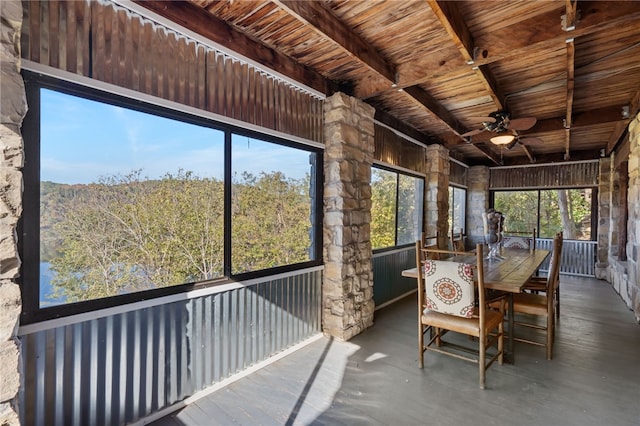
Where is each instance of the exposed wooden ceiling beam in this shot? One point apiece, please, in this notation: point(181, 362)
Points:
point(389, 120)
point(502, 44)
point(314, 15)
point(426, 100)
point(488, 152)
point(594, 17)
point(218, 31)
point(453, 23)
point(634, 108)
point(569, 24)
point(583, 119)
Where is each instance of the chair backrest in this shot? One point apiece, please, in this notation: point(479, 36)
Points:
point(556, 256)
point(554, 265)
point(431, 243)
point(457, 241)
point(447, 286)
point(517, 240)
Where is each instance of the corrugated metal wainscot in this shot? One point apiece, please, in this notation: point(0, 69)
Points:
point(388, 282)
point(106, 368)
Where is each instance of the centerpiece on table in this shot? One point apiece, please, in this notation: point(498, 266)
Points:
point(493, 222)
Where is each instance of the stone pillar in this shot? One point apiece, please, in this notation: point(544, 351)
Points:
point(13, 107)
point(436, 193)
point(477, 203)
point(633, 223)
point(614, 211)
point(604, 218)
point(347, 291)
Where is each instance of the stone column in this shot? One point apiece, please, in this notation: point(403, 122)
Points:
point(614, 211)
point(13, 107)
point(347, 291)
point(436, 193)
point(633, 223)
point(477, 203)
point(604, 218)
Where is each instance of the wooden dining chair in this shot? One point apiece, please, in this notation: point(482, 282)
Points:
point(539, 284)
point(431, 243)
point(539, 305)
point(457, 241)
point(447, 302)
point(523, 240)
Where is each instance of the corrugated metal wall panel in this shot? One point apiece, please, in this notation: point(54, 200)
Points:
point(568, 175)
point(109, 43)
point(120, 368)
point(392, 149)
point(457, 174)
point(578, 257)
point(388, 282)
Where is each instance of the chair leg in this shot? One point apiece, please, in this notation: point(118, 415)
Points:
point(558, 302)
point(421, 332)
point(501, 342)
point(550, 335)
point(481, 360)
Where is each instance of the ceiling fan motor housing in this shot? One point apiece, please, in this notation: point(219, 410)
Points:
point(500, 124)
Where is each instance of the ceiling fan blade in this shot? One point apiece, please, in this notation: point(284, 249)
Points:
point(483, 119)
point(524, 123)
point(472, 132)
point(530, 141)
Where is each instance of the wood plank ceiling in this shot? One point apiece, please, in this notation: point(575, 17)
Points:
point(433, 68)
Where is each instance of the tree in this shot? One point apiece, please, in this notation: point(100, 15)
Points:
point(128, 234)
point(383, 208)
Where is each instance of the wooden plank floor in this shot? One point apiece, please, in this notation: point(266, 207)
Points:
point(594, 378)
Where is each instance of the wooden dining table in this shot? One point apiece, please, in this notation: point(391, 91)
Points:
point(508, 274)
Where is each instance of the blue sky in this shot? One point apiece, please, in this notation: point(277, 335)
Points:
point(82, 141)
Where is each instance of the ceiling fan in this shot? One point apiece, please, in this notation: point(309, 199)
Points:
point(522, 140)
point(500, 122)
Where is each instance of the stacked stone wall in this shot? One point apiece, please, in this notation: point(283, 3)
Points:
point(624, 276)
point(12, 110)
point(604, 218)
point(477, 203)
point(633, 223)
point(436, 213)
point(348, 278)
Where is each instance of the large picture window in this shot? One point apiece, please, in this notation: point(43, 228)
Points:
point(132, 197)
point(271, 204)
point(457, 209)
point(396, 210)
point(549, 211)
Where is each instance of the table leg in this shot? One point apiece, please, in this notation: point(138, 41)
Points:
point(509, 357)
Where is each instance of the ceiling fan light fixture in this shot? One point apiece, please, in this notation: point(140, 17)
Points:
point(502, 139)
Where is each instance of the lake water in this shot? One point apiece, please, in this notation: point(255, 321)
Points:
point(46, 288)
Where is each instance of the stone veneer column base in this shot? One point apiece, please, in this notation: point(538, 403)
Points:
point(13, 107)
point(347, 293)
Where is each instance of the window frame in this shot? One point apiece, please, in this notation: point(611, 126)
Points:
point(28, 228)
point(594, 205)
point(464, 213)
point(398, 172)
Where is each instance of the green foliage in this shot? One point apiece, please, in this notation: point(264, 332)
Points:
point(383, 208)
point(567, 210)
point(127, 234)
point(271, 222)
